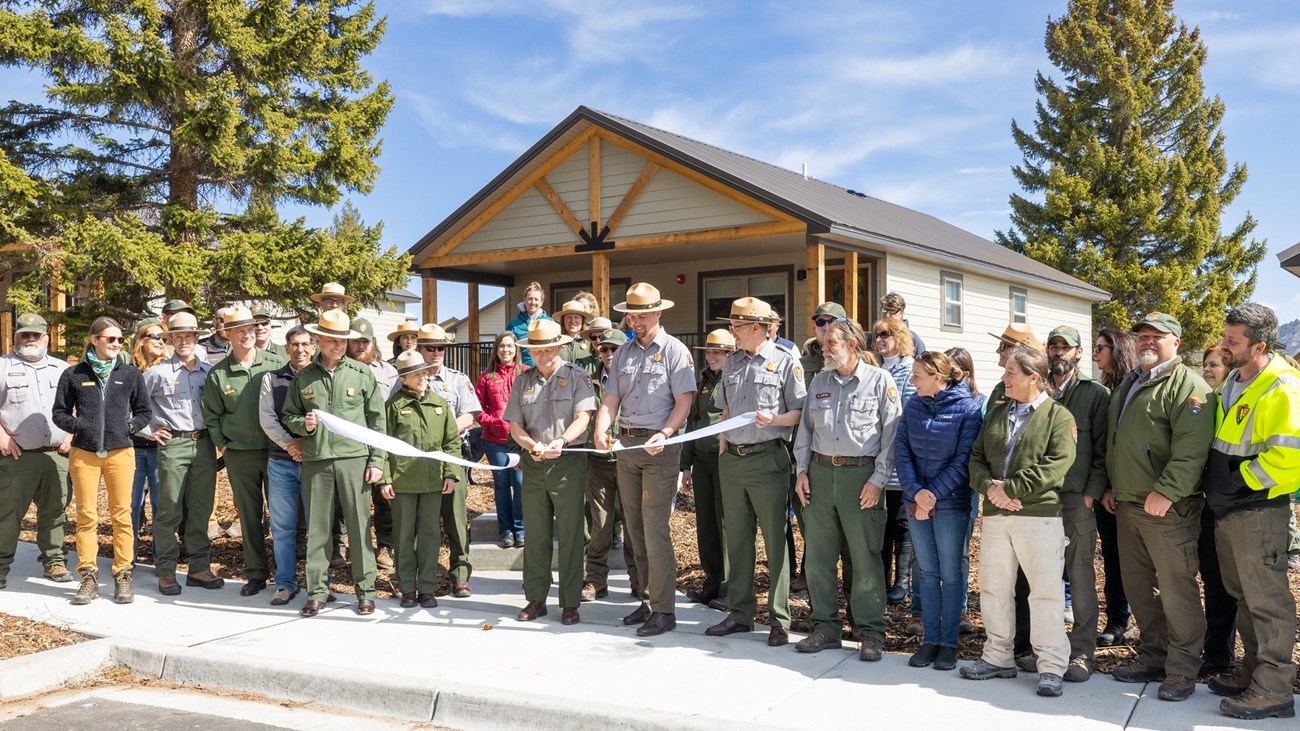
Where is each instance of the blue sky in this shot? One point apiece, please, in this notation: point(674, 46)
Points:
point(910, 102)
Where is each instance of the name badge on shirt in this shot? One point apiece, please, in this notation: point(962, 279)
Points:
point(87, 383)
point(823, 395)
point(404, 412)
point(17, 373)
point(229, 390)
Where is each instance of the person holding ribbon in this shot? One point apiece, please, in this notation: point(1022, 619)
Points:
point(417, 415)
point(549, 409)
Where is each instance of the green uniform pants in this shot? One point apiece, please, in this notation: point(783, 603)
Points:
point(833, 518)
point(1081, 532)
point(602, 513)
point(325, 482)
point(41, 478)
point(187, 483)
point(1252, 553)
point(754, 494)
point(246, 469)
point(707, 486)
point(455, 521)
point(415, 531)
point(553, 500)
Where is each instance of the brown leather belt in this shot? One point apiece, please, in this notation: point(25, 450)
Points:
point(744, 450)
point(630, 432)
point(195, 435)
point(837, 461)
point(43, 449)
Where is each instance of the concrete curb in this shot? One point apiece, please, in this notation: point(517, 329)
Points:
point(53, 669)
point(456, 705)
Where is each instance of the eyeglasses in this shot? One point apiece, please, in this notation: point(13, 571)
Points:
point(608, 348)
point(889, 310)
point(331, 301)
point(734, 327)
point(1100, 347)
point(111, 339)
point(432, 348)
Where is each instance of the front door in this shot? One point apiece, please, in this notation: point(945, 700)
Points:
point(867, 297)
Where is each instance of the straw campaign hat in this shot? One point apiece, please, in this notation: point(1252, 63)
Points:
point(333, 324)
point(544, 334)
point(643, 297)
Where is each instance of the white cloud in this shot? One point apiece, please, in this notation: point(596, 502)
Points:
point(1268, 55)
point(979, 170)
point(1211, 17)
point(934, 69)
point(450, 128)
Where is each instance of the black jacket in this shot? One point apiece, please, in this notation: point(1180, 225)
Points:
point(101, 419)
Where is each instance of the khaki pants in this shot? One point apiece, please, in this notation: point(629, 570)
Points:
point(1037, 547)
point(35, 477)
point(1252, 553)
point(117, 469)
point(647, 485)
point(1159, 562)
point(602, 512)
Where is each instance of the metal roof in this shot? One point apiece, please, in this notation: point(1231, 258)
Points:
point(823, 206)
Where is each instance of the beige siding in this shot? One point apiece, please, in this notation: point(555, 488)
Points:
point(986, 308)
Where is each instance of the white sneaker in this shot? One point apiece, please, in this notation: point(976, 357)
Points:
point(214, 530)
point(233, 531)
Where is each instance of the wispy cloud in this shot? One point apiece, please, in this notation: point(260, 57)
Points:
point(1269, 55)
point(979, 171)
point(932, 69)
point(451, 128)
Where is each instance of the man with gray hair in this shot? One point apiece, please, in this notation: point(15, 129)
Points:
point(1253, 467)
point(33, 451)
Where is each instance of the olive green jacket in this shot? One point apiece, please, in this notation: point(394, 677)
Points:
point(1088, 401)
point(1041, 458)
point(350, 393)
point(428, 424)
point(229, 403)
point(1163, 438)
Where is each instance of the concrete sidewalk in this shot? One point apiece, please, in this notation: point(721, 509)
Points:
point(469, 664)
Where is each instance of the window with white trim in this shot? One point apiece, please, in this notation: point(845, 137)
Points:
point(1019, 305)
point(952, 287)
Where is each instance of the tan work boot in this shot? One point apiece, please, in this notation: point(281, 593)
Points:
point(384, 558)
point(122, 593)
point(89, 589)
point(167, 585)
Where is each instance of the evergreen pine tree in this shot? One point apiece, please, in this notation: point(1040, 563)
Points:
point(1127, 170)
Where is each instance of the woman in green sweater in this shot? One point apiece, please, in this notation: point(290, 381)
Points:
point(421, 418)
point(1018, 464)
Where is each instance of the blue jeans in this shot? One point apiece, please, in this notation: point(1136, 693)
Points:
point(283, 490)
point(146, 468)
point(975, 499)
point(937, 544)
point(509, 486)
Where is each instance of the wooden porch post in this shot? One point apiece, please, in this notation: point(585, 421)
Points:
point(473, 335)
point(58, 303)
point(600, 282)
point(816, 281)
point(851, 286)
point(429, 300)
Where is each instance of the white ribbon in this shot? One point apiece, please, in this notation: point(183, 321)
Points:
point(727, 425)
point(393, 445)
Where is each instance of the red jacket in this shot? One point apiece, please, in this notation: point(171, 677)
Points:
point(493, 391)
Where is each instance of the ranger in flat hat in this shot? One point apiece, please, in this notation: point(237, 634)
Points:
point(458, 391)
point(187, 460)
point(766, 379)
point(573, 318)
point(404, 338)
point(549, 409)
point(700, 471)
point(335, 468)
point(603, 506)
point(332, 296)
point(33, 450)
point(650, 391)
point(416, 486)
point(229, 403)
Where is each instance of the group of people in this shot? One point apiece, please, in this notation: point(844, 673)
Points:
point(883, 452)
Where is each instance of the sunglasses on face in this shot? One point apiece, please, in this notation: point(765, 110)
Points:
point(1100, 347)
point(889, 310)
point(154, 336)
point(432, 348)
point(110, 339)
point(884, 334)
point(608, 348)
point(823, 321)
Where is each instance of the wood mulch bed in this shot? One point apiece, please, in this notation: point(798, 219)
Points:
point(227, 558)
point(22, 636)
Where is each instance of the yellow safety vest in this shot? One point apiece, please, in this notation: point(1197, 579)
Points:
point(1263, 428)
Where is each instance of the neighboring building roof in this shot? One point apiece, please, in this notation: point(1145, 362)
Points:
point(402, 295)
point(451, 323)
point(1290, 259)
point(824, 207)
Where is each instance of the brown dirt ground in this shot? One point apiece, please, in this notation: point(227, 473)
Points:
point(227, 561)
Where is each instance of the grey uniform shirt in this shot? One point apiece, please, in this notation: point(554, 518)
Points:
point(385, 375)
point(648, 380)
point(175, 394)
point(454, 388)
point(770, 380)
point(27, 399)
point(546, 407)
point(850, 416)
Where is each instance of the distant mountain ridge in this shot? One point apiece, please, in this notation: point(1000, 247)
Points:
point(1289, 334)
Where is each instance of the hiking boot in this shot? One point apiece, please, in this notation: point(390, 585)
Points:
point(1079, 670)
point(4, 579)
point(204, 580)
point(983, 670)
point(1251, 704)
point(384, 558)
point(869, 649)
point(816, 642)
point(1176, 688)
point(1115, 634)
point(338, 561)
point(1229, 684)
point(58, 572)
point(167, 585)
point(1136, 672)
point(1049, 685)
point(89, 589)
point(1027, 663)
point(914, 628)
point(122, 593)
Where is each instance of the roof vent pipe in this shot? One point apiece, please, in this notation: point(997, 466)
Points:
point(805, 171)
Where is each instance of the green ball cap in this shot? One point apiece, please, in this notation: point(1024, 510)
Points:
point(829, 308)
point(363, 326)
point(1066, 333)
point(31, 322)
point(1162, 322)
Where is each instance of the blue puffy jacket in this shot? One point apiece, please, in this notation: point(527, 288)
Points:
point(935, 437)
